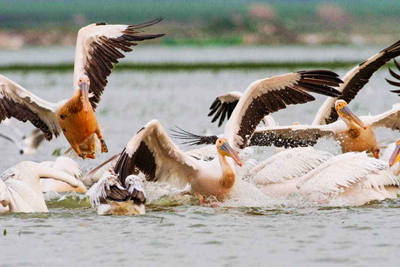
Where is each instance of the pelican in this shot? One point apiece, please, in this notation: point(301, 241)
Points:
point(113, 198)
point(277, 176)
point(20, 186)
point(391, 155)
point(352, 179)
point(353, 133)
point(29, 143)
point(152, 152)
point(354, 81)
point(97, 49)
point(68, 166)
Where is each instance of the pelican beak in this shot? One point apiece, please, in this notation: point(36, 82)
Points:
point(395, 156)
point(85, 94)
point(231, 153)
point(352, 117)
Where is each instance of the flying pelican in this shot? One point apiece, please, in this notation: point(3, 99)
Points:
point(97, 49)
point(20, 186)
point(153, 153)
point(68, 166)
point(353, 133)
point(354, 81)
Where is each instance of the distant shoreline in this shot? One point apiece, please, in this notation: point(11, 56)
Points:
point(207, 66)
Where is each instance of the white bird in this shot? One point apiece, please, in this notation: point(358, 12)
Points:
point(113, 198)
point(152, 153)
point(29, 143)
point(277, 176)
point(98, 47)
point(391, 155)
point(68, 166)
point(350, 179)
point(354, 81)
point(20, 186)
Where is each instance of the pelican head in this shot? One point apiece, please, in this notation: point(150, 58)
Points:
point(396, 154)
point(224, 149)
point(84, 84)
point(4, 197)
point(347, 115)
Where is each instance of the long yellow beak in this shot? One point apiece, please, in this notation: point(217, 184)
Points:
point(85, 93)
point(352, 117)
point(231, 153)
point(395, 156)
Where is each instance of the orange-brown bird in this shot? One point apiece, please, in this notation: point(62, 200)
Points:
point(98, 47)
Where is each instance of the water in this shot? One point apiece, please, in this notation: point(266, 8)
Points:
point(233, 234)
point(150, 54)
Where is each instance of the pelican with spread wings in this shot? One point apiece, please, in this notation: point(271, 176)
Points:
point(152, 152)
point(353, 133)
point(98, 48)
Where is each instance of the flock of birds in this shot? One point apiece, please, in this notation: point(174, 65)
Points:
point(361, 174)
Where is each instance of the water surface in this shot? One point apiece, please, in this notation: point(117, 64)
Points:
point(272, 233)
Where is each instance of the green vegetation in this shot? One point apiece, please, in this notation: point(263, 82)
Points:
point(194, 66)
point(211, 22)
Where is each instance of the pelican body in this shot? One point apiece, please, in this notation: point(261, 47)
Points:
point(79, 123)
point(21, 190)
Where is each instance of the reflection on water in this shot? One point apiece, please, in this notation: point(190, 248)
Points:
point(172, 233)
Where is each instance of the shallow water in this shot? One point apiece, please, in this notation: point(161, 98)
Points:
point(275, 233)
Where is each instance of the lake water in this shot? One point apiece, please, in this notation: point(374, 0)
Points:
point(276, 233)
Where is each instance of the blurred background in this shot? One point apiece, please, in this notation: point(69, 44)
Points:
point(27, 23)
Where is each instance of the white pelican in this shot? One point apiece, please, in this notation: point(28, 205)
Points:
point(351, 179)
point(353, 133)
point(20, 186)
point(354, 81)
point(98, 47)
point(68, 166)
point(277, 176)
point(391, 155)
point(347, 179)
point(152, 152)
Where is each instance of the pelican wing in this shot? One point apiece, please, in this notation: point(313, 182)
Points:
point(19, 103)
point(99, 46)
point(224, 105)
point(345, 171)
point(269, 95)
point(389, 119)
point(288, 165)
point(396, 76)
point(354, 81)
point(279, 136)
point(151, 152)
point(290, 136)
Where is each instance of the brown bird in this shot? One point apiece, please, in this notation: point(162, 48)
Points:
point(98, 47)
